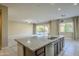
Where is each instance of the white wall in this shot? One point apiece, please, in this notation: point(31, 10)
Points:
point(54, 28)
point(18, 30)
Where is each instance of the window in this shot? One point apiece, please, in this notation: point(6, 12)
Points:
point(66, 27)
point(42, 30)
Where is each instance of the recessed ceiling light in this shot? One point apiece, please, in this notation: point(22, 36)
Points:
point(75, 3)
point(59, 9)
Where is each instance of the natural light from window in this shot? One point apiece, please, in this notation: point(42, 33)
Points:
point(66, 27)
point(42, 30)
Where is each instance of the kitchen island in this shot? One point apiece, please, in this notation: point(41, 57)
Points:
point(38, 46)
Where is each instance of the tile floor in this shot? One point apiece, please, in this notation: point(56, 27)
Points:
point(8, 52)
point(71, 48)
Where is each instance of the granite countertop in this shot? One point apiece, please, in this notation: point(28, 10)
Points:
point(34, 43)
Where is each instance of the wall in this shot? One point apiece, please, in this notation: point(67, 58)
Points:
point(34, 29)
point(54, 29)
point(76, 27)
point(18, 30)
point(52, 26)
point(4, 28)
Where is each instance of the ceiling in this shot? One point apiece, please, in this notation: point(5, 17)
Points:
point(40, 12)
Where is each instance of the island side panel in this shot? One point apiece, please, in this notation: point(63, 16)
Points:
point(28, 52)
point(23, 51)
point(20, 49)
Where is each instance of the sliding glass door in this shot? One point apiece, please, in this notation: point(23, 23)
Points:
point(66, 29)
point(42, 30)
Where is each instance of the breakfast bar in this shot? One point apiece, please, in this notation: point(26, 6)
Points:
point(39, 46)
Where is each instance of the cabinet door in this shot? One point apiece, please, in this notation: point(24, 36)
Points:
point(62, 43)
point(20, 49)
point(59, 46)
point(50, 50)
point(56, 49)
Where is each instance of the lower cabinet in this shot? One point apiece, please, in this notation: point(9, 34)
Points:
point(58, 46)
point(24, 51)
point(50, 50)
point(62, 43)
point(55, 48)
point(40, 52)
